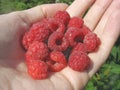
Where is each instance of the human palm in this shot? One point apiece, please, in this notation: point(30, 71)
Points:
point(13, 72)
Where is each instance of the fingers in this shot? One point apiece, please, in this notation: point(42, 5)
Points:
point(114, 7)
point(78, 7)
point(109, 36)
point(34, 14)
point(96, 11)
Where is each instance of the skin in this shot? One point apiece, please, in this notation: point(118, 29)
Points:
point(103, 18)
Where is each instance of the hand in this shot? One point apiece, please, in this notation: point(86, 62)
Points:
point(100, 18)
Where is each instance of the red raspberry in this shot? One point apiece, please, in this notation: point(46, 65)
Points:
point(63, 16)
point(79, 61)
point(85, 30)
point(57, 61)
point(54, 25)
point(91, 42)
point(80, 47)
point(38, 25)
point(27, 40)
point(37, 51)
point(38, 32)
point(74, 35)
point(38, 69)
point(75, 22)
point(57, 41)
point(51, 24)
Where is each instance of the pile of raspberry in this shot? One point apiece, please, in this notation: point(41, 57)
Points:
point(54, 43)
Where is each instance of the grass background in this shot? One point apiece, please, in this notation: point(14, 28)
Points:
point(108, 77)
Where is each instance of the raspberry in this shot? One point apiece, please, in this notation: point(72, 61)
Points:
point(79, 61)
point(27, 40)
point(57, 41)
point(51, 23)
point(91, 42)
point(80, 47)
point(85, 30)
point(37, 51)
point(63, 16)
point(38, 25)
point(38, 32)
point(54, 25)
point(75, 22)
point(74, 35)
point(38, 69)
point(57, 61)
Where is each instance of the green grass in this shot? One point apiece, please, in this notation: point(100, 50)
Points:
point(108, 77)
point(13, 5)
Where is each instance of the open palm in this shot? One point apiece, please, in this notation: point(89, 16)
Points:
point(100, 18)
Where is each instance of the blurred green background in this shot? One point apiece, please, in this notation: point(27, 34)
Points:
point(107, 78)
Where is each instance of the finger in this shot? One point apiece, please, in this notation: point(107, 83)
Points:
point(35, 14)
point(96, 11)
point(115, 6)
point(78, 7)
point(108, 38)
point(78, 80)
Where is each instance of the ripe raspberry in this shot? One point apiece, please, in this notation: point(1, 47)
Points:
point(85, 30)
point(37, 51)
point(75, 22)
point(74, 35)
point(54, 25)
point(91, 42)
point(38, 25)
point(80, 47)
point(79, 61)
point(57, 41)
point(63, 16)
point(57, 61)
point(51, 24)
point(27, 40)
point(38, 69)
point(38, 32)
